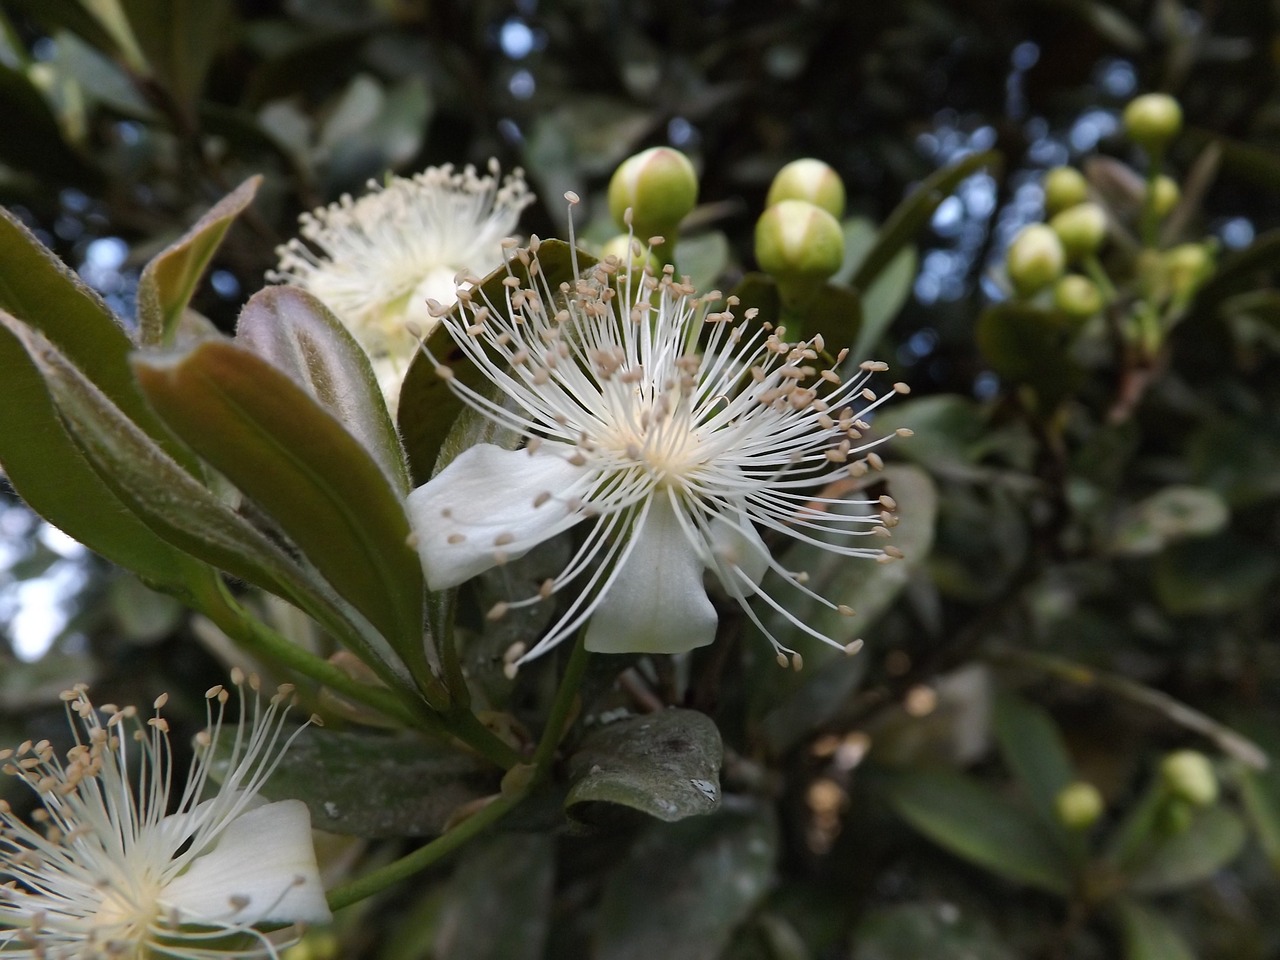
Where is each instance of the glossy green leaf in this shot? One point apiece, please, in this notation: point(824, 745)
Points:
point(1025, 344)
point(685, 886)
point(35, 140)
point(301, 337)
point(1214, 838)
point(936, 931)
point(1261, 795)
point(1032, 747)
point(498, 902)
point(703, 258)
point(910, 216)
point(1212, 575)
point(1174, 513)
point(39, 289)
point(1147, 935)
point(664, 764)
point(373, 785)
point(309, 475)
point(179, 39)
point(976, 823)
point(885, 298)
point(428, 407)
point(170, 279)
point(47, 469)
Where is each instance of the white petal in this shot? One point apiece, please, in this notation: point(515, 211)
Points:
point(483, 503)
point(737, 544)
point(263, 859)
point(657, 603)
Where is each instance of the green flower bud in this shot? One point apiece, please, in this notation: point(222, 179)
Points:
point(1035, 259)
point(631, 254)
point(1164, 195)
point(797, 241)
point(810, 180)
point(1079, 805)
point(1186, 267)
point(1188, 775)
point(1077, 296)
point(659, 186)
point(1152, 120)
point(1081, 229)
point(1064, 187)
point(1174, 817)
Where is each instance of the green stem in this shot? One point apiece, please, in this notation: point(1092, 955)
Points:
point(1093, 267)
point(423, 857)
point(464, 725)
point(562, 706)
point(1149, 223)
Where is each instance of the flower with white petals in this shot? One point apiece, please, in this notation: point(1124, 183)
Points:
point(376, 261)
point(123, 869)
point(682, 433)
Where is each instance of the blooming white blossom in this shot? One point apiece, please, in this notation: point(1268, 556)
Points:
point(123, 869)
point(376, 261)
point(683, 433)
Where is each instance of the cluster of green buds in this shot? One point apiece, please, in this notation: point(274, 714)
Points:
point(1098, 255)
point(798, 240)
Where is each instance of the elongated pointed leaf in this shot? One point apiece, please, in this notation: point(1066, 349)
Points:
point(170, 279)
point(179, 39)
point(1215, 838)
point(664, 764)
point(39, 289)
point(1033, 749)
point(183, 511)
point(310, 476)
point(1149, 936)
point(302, 337)
point(976, 823)
point(48, 471)
point(428, 407)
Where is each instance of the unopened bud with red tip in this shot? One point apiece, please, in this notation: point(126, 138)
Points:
point(798, 242)
point(1188, 775)
point(1079, 805)
point(1152, 120)
point(1064, 187)
point(1081, 229)
point(810, 180)
point(1164, 195)
point(1035, 259)
point(1077, 296)
point(660, 188)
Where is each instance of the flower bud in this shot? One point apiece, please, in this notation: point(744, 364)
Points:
point(1077, 296)
point(1164, 195)
point(1064, 187)
point(1188, 775)
point(810, 180)
point(1186, 267)
point(1035, 259)
point(1152, 120)
point(1079, 805)
point(797, 241)
point(1081, 229)
point(659, 186)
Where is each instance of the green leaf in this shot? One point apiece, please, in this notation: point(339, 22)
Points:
point(976, 823)
point(307, 473)
point(428, 407)
point(373, 785)
point(936, 931)
point(48, 471)
point(498, 903)
point(1025, 344)
point(910, 216)
point(1033, 748)
point(1148, 935)
point(685, 886)
point(170, 279)
point(882, 302)
point(1174, 513)
point(35, 142)
point(1261, 795)
point(703, 258)
point(179, 39)
point(39, 289)
point(1214, 838)
point(1213, 575)
point(666, 765)
point(301, 337)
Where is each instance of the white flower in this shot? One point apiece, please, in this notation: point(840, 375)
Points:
point(122, 875)
point(376, 261)
point(683, 433)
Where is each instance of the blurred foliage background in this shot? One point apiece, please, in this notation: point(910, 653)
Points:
point(1094, 585)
